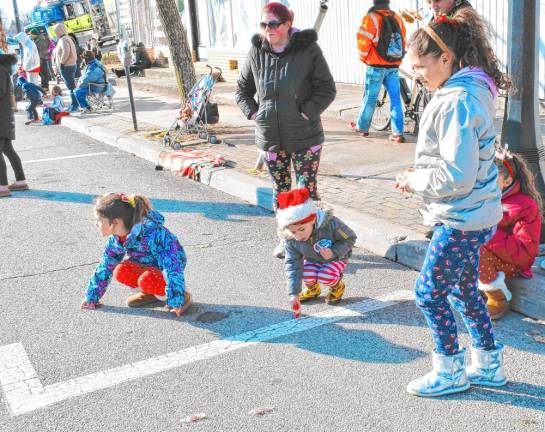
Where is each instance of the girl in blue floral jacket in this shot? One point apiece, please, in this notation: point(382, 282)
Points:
point(156, 259)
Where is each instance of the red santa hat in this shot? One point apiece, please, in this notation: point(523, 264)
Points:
point(295, 207)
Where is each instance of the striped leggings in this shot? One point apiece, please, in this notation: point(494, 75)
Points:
point(325, 273)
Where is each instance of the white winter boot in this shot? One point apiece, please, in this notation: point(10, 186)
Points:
point(448, 376)
point(498, 296)
point(487, 367)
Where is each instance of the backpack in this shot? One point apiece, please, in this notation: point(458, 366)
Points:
point(390, 42)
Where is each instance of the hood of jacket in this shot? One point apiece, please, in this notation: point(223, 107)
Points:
point(474, 81)
point(151, 223)
point(299, 40)
point(59, 29)
point(23, 38)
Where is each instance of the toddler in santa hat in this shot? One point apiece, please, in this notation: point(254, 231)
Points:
point(318, 246)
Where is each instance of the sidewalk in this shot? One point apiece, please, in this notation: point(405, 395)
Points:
point(356, 174)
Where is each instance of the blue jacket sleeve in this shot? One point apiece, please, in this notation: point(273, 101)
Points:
point(293, 267)
point(171, 258)
point(113, 254)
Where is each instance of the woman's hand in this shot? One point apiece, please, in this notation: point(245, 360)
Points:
point(326, 253)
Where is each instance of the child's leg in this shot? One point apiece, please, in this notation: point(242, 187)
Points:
point(152, 282)
point(490, 264)
point(468, 301)
point(442, 269)
point(310, 273)
point(128, 273)
point(331, 272)
point(310, 278)
point(29, 110)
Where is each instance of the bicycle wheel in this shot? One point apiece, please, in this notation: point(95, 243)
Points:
point(381, 116)
point(422, 99)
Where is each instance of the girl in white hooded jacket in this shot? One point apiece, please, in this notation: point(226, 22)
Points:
point(455, 176)
point(31, 58)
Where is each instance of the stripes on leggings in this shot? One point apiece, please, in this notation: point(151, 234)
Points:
point(325, 273)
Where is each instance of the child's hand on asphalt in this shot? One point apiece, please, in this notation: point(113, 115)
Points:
point(295, 304)
point(85, 305)
point(326, 253)
point(177, 311)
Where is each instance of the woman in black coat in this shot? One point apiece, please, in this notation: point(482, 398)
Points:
point(287, 70)
point(7, 130)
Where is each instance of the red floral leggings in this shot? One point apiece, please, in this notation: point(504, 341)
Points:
point(149, 279)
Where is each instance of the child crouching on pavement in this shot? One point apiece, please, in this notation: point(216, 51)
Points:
point(156, 259)
point(318, 246)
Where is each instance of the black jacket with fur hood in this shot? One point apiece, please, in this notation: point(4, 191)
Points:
point(7, 119)
point(287, 84)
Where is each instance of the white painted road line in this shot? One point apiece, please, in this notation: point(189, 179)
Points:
point(24, 391)
point(65, 157)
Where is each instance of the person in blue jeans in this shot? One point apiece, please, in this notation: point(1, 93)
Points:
point(93, 79)
point(66, 61)
point(380, 70)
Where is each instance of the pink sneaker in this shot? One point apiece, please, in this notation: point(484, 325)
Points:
point(18, 186)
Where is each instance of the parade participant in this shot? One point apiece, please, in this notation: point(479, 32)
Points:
point(156, 260)
point(7, 129)
point(456, 177)
point(318, 246)
point(288, 71)
point(515, 245)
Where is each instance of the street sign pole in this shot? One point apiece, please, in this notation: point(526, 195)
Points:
point(16, 13)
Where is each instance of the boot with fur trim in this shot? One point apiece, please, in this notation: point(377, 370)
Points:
point(498, 296)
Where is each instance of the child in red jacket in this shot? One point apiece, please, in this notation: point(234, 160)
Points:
point(513, 248)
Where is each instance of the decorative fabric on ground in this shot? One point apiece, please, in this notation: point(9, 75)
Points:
point(491, 264)
point(451, 269)
point(189, 163)
point(326, 274)
point(305, 165)
point(150, 280)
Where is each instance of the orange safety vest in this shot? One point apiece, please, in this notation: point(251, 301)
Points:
point(368, 37)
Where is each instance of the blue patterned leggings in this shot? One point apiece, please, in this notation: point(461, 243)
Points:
point(451, 269)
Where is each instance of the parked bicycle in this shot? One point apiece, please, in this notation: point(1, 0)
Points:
point(414, 101)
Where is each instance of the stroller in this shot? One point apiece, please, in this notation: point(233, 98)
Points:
point(197, 113)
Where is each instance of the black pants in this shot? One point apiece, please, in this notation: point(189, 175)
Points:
point(6, 148)
point(132, 69)
point(31, 111)
point(44, 73)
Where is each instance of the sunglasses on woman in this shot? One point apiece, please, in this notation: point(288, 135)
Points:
point(271, 24)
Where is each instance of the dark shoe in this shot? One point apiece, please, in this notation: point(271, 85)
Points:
point(397, 138)
point(141, 299)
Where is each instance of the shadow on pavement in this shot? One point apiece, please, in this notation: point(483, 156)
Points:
point(210, 210)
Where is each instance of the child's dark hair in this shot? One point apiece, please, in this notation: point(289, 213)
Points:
point(515, 166)
point(131, 209)
point(56, 90)
point(467, 35)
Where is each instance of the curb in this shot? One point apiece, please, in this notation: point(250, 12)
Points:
point(380, 237)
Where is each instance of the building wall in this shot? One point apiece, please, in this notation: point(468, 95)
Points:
point(226, 27)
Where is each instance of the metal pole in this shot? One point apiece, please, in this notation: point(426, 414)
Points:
point(521, 128)
point(127, 63)
point(17, 20)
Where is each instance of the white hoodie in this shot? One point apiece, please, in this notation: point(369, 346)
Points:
point(31, 57)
